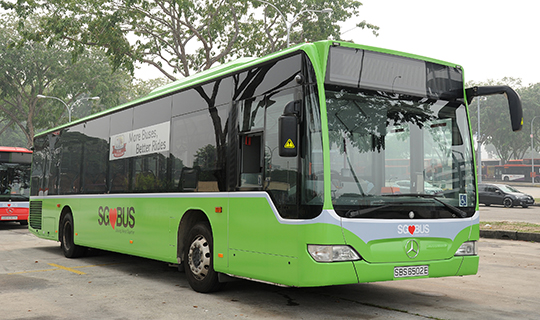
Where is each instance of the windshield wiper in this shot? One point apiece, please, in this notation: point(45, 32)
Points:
point(454, 210)
point(359, 213)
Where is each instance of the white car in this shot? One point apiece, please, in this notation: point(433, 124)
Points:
point(405, 187)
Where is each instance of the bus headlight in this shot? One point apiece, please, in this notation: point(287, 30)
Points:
point(468, 248)
point(325, 253)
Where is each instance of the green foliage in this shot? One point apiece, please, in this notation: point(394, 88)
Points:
point(495, 127)
point(11, 135)
point(306, 26)
point(179, 37)
point(138, 88)
point(34, 68)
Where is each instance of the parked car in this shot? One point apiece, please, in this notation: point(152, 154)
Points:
point(503, 194)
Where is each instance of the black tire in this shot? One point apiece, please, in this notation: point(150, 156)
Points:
point(487, 204)
point(24, 222)
point(508, 203)
point(198, 259)
point(67, 243)
point(525, 206)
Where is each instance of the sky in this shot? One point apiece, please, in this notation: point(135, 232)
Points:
point(490, 39)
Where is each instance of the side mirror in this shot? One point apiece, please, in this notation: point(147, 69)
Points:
point(288, 130)
point(514, 102)
point(288, 136)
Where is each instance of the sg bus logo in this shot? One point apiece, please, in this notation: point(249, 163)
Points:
point(413, 229)
point(117, 217)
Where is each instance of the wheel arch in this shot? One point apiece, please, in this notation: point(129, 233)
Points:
point(189, 219)
point(65, 210)
point(510, 201)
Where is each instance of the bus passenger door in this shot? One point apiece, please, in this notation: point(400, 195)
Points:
point(260, 246)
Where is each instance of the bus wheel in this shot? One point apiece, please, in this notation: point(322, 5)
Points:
point(198, 260)
point(70, 249)
point(507, 202)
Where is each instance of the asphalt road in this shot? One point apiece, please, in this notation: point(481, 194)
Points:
point(38, 282)
point(517, 214)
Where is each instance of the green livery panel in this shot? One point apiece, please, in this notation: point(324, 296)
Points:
point(260, 247)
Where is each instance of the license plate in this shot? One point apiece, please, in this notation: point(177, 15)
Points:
point(10, 218)
point(411, 271)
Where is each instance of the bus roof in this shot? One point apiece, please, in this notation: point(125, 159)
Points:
point(320, 47)
point(14, 149)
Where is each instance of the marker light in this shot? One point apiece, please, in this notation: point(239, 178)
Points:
point(322, 253)
point(468, 248)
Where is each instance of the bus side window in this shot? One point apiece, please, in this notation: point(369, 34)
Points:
point(119, 169)
point(71, 160)
point(96, 156)
point(251, 115)
point(189, 178)
point(194, 148)
point(250, 165)
point(280, 172)
point(119, 175)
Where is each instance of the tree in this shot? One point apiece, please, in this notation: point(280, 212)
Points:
point(138, 88)
point(299, 15)
point(11, 135)
point(179, 37)
point(530, 97)
point(495, 125)
point(34, 68)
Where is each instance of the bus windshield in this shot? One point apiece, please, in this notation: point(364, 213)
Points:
point(14, 181)
point(394, 155)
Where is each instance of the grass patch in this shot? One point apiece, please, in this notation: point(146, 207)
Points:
point(510, 226)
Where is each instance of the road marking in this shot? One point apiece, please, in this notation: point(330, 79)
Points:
point(32, 271)
point(59, 267)
point(66, 268)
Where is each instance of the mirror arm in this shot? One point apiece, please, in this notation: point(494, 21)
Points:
point(491, 90)
point(292, 108)
point(514, 102)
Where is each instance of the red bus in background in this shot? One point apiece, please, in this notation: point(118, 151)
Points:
point(518, 170)
point(14, 184)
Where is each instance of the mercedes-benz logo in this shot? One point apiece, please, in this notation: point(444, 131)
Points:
point(412, 248)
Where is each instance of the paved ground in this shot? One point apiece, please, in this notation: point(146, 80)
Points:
point(38, 282)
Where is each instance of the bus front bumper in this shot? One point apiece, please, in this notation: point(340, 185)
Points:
point(339, 273)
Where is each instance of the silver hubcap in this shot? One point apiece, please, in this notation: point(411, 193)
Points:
point(67, 236)
point(199, 257)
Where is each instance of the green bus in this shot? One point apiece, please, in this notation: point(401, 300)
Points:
point(274, 169)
